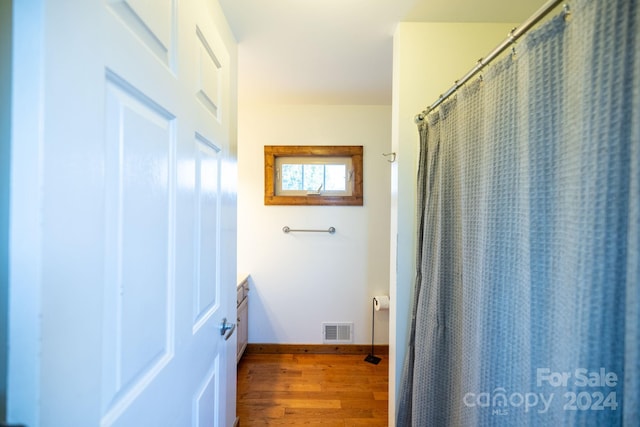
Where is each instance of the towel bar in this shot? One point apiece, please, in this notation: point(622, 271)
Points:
point(330, 230)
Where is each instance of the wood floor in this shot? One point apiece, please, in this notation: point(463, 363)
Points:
point(312, 389)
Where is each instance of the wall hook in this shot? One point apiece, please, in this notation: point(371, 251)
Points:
point(393, 156)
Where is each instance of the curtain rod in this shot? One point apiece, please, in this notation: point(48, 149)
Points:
point(514, 35)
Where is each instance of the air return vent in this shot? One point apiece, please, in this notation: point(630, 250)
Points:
point(337, 333)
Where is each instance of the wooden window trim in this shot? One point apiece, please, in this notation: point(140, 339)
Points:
point(273, 151)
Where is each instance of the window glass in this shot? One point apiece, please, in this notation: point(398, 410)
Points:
point(335, 177)
point(291, 177)
point(316, 176)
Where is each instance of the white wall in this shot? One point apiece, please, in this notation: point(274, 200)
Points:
point(301, 280)
point(427, 59)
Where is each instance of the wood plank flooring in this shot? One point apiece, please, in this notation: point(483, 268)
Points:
point(312, 389)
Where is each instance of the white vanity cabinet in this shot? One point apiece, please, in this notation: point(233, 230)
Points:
point(243, 314)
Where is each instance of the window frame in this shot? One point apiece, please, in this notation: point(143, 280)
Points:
point(317, 152)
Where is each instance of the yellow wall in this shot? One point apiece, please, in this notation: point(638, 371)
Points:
point(427, 59)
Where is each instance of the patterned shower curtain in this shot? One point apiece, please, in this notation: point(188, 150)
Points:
point(527, 297)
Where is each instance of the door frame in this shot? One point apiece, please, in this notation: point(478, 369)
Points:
point(5, 153)
point(25, 241)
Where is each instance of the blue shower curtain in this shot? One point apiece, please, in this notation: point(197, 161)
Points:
point(527, 294)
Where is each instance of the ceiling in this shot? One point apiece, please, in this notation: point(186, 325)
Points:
point(338, 51)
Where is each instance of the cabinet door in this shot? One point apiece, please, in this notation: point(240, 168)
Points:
point(243, 326)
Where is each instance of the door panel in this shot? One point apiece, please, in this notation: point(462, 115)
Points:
point(139, 298)
point(204, 413)
point(137, 229)
point(207, 258)
point(152, 21)
point(208, 72)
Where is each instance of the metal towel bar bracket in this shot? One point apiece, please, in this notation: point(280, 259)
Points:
point(330, 230)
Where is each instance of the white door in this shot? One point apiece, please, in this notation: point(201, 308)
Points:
point(123, 250)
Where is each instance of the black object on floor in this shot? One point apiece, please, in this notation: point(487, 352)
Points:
point(371, 358)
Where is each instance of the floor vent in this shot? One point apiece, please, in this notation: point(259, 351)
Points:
point(337, 333)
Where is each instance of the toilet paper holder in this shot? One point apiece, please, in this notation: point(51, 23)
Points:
point(381, 302)
point(378, 303)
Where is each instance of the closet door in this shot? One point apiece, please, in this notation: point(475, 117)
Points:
point(123, 220)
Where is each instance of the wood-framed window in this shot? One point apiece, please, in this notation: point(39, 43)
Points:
point(313, 175)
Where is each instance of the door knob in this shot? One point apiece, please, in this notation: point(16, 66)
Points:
point(227, 329)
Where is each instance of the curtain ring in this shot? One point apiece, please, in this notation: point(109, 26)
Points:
point(567, 12)
point(512, 41)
